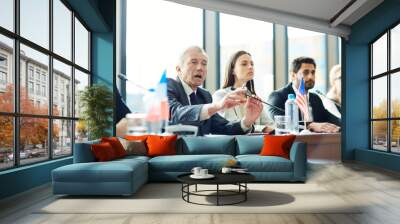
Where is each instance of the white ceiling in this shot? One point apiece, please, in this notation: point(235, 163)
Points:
point(316, 15)
point(320, 9)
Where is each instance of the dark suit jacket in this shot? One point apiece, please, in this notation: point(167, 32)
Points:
point(181, 112)
point(319, 113)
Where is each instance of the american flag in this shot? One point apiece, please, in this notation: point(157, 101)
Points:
point(301, 100)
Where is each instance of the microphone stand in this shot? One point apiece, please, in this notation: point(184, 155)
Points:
point(250, 94)
point(123, 77)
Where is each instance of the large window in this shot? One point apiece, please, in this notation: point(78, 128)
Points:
point(62, 43)
point(310, 44)
point(38, 125)
point(7, 14)
point(255, 37)
point(34, 24)
point(157, 32)
point(385, 96)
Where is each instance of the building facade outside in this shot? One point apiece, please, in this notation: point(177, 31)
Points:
point(34, 82)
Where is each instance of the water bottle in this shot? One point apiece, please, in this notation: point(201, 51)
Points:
point(292, 113)
point(153, 115)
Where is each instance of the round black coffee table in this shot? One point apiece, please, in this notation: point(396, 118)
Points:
point(238, 179)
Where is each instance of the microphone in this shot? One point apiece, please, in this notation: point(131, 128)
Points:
point(123, 77)
point(250, 94)
point(320, 93)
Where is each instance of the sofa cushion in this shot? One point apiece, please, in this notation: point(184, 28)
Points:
point(103, 152)
point(116, 145)
point(98, 172)
point(118, 177)
point(185, 163)
point(196, 145)
point(136, 137)
point(277, 145)
point(159, 145)
point(257, 163)
point(249, 144)
point(129, 159)
point(83, 152)
point(134, 147)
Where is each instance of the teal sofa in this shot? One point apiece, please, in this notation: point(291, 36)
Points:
point(125, 176)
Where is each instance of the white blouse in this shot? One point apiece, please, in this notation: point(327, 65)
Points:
point(330, 106)
point(238, 112)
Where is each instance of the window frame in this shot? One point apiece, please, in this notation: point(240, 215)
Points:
point(221, 67)
point(16, 115)
point(323, 75)
point(388, 74)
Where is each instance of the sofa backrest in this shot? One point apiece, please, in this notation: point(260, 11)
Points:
point(192, 145)
point(247, 144)
point(83, 153)
point(206, 145)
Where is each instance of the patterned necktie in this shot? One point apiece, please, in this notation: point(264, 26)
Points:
point(193, 99)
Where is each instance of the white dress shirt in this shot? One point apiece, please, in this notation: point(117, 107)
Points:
point(237, 113)
point(204, 115)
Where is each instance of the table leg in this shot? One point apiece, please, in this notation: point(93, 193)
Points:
point(245, 191)
point(182, 190)
point(217, 194)
point(188, 190)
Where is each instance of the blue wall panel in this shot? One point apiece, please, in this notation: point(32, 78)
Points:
point(24, 178)
point(357, 101)
point(102, 58)
point(103, 62)
point(357, 84)
point(380, 159)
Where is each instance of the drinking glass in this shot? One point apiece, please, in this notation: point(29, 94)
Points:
point(136, 124)
point(280, 124)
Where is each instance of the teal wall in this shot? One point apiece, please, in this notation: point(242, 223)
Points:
point(356, 82)
point(24, 178)
point(102, 58)
point(103, 62)
point(103, 55)
point(99, 16)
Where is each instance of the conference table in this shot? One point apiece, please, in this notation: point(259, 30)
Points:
point(322, 147)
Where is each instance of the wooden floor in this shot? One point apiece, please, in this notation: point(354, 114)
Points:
point(378, 189)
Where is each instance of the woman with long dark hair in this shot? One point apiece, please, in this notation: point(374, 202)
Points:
point(239, 72)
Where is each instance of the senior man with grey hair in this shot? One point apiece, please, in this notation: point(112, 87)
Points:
point(192, 105)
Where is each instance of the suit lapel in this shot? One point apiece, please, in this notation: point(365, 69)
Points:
point(181, 92)
point(289, 89)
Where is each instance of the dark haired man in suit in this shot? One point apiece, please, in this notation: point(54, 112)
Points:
point(321, 119)
point(192, 105)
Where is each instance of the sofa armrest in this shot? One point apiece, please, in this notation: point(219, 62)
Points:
point(298, 155)
point(83, 152)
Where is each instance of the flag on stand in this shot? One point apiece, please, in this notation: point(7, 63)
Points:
point(162, 94)
point(302, 101)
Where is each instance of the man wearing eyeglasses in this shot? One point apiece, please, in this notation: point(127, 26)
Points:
point(190, 104)
point(319, 119)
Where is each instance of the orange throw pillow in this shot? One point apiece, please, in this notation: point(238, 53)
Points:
point(136, 137)
point(277, 145)
point(103, 152)
point(116, 145)
point(161, 145)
